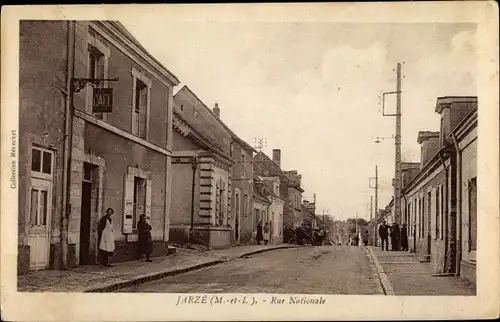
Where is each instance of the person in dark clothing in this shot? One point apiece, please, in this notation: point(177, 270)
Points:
point(259, 237)
point(397, 237)
point(145, 240)
point(383, 234)
point(404, 237)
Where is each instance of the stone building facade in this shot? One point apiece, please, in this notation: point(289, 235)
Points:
point(466, 143)
point(202, 175)
point(440, 203)
point(242, 182)
point(423, 202)
point(41, 141)
point(293, 208)
point(119, 159)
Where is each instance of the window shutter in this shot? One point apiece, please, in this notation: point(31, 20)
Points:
point(134, 115)
point(128, 207)
point(148, 201)
point(142, 112)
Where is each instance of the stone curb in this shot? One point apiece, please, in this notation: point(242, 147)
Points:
point(172, 272)
point(384, 280)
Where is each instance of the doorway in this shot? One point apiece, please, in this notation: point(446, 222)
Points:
point(89, 196)
point(237, 217)
point(39, 223)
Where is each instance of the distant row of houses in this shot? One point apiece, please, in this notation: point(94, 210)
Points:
point(138, 150)
point(439, 194)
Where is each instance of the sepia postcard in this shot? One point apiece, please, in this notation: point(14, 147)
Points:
point(291, 161)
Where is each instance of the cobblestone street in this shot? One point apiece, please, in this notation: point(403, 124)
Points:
point(306, 270)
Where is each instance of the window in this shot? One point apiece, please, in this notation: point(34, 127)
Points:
point(140, 104)
point(140, 101)
point(408, 215)
point(429, 214)
point(472, 214)
point(420, 219)
point(139, 200)
point(97, 70)
point(41, 161)
point(256, 218)
point(245, 205)
point(243, 165)
point(442, 212)
point(237, 197)
point(38, 209)
point(220, 209)
point(438, 214)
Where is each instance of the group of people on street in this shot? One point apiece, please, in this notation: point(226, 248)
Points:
point(106, 239)
point(263, 233)
point(303, 235)
point(399, 236)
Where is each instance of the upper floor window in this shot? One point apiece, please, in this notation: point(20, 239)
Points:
point(98, 61)
point(41, 162)
point(141, 104)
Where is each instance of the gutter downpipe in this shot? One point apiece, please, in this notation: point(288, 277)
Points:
point(459, 202)
point(445, 212)
point(68, 137)
point(194, 166)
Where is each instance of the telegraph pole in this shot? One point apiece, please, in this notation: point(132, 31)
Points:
point(397, 174)
point(397, 143)
point(371, 208)
point(376, 191)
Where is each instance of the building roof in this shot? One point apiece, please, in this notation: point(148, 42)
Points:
point(122, 29)
point(260, 192)
point(272, 169)
point(445, 101)
point(194, 113)
point(424, 135)
point(218, 119)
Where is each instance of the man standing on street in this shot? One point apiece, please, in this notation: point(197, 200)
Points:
point(384, 235)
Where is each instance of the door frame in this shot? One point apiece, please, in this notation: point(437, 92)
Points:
point(36, 182)
point(96, 213)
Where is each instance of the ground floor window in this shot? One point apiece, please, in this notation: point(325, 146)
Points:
point(137, 198)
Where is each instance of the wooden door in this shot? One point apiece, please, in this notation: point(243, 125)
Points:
point(39, 223)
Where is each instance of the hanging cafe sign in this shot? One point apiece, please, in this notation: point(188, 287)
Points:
point(102, 98)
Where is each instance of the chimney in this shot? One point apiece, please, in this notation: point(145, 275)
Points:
point(277, 157)
point(217, 110)
point(429, 142)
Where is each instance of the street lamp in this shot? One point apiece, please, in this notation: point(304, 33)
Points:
point(379, 139)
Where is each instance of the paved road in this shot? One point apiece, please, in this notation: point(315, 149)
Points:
point(306, 270)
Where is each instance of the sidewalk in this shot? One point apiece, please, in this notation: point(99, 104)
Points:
point(95, 278)
point(402, 274)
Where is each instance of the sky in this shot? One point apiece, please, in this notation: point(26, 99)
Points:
point(312, 90)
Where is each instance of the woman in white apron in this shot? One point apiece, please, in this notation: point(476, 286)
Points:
point(106, 238)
